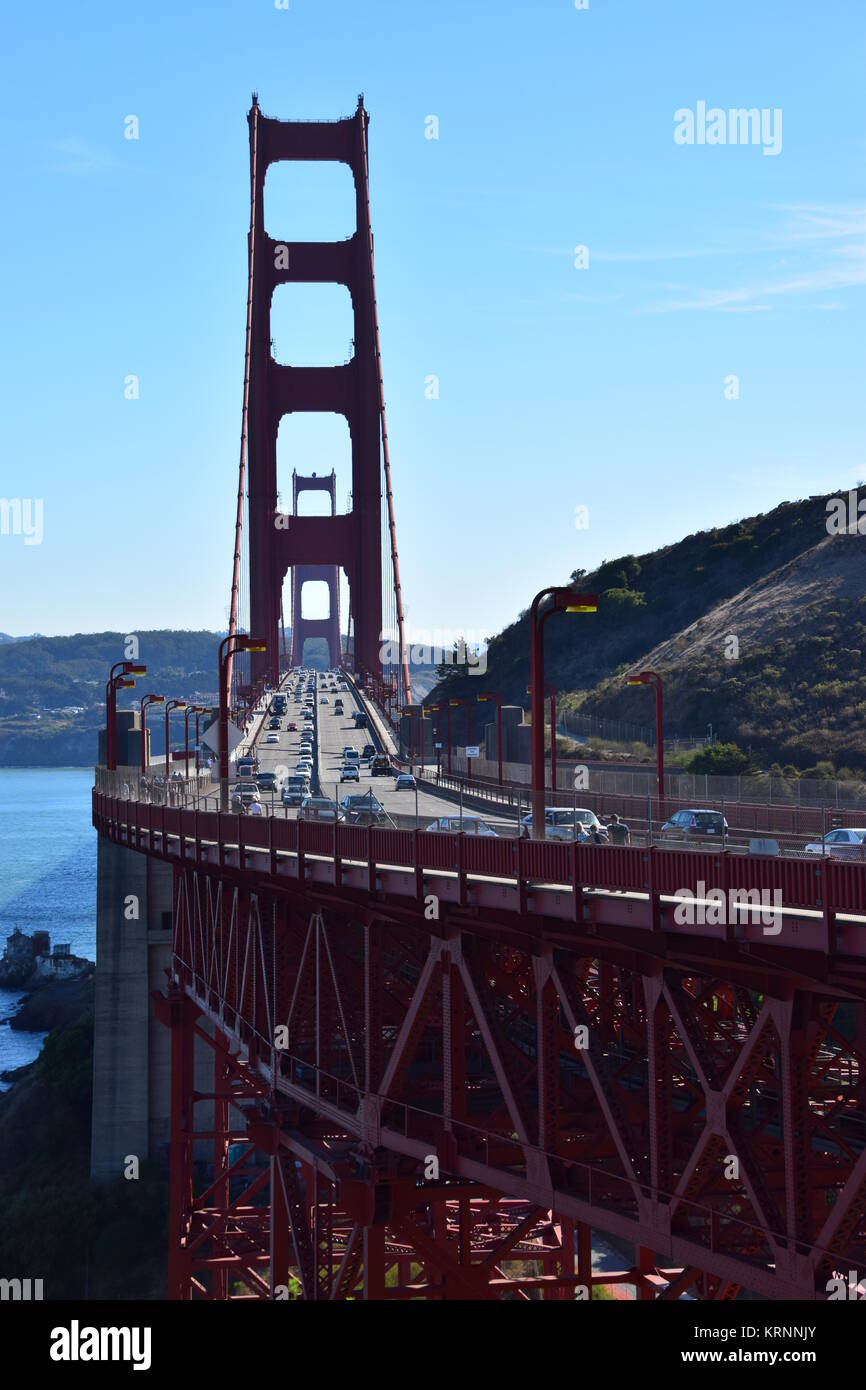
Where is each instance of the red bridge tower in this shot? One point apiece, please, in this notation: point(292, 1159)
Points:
point(302, 627)
point(276, 541)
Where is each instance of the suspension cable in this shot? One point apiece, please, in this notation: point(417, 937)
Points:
point(242, 465)
point(404, 655)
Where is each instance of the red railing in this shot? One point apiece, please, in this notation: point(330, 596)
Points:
point(819, 885)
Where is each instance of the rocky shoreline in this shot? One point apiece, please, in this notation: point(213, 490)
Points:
point(56, 988)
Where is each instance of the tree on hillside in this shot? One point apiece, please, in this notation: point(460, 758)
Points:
point(720, 760)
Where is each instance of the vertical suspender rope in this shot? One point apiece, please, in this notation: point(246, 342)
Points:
point(242, 466)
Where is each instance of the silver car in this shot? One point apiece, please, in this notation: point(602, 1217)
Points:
point(841, 844)
point(566, 823)
point(468, 824)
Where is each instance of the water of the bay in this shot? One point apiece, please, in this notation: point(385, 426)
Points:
point(47, 875)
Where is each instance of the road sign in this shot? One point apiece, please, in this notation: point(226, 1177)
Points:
point(473, 751)
point(212, 736)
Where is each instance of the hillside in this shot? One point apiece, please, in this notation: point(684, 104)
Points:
point(790, 594)
point(52, 689)
point(75, 1235)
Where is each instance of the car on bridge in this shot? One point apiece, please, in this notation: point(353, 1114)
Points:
point(349, 773)
point(294, 789)
point(244, 794)
point(320, 808)
point(363, 808)
point(468, 824)
point(292, 727)
point(841, 843)
point(272, 739)
point(380, 766)
point(405, 782)
point(274, 723)
point(695, 825)
point(268, 782)
point(568, 823)
point(350, 754)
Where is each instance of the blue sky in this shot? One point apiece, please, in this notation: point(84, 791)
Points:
point(559, 388)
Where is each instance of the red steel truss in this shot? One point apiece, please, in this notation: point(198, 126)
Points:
point(434, 1099)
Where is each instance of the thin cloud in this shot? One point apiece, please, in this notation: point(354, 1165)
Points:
point(77, 157)
point(810, 282)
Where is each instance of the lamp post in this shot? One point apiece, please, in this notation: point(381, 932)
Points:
point(550, 694)
point(462, 700)
point(654, 679)
point(147, 700)
point(485, 699)
point(196, 710)
point(562, 600)
point(437, 710)
point(239, 642)
point(170, 705)
point(117, 681)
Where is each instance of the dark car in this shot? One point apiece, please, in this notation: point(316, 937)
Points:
point(368, 751)
point(362, 808)
point(695, 825)
point(380, 766)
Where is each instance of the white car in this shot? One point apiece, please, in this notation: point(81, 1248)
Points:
point(841, 844)
point(349, 773)
point(568, 824)
point(272, 738)
point(469, 825)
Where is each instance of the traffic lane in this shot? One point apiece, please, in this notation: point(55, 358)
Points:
point(282, 757)
point(337, 732)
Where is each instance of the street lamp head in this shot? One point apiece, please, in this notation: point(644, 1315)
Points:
point(153, 699)
point(122, 684)
point(569, 601)
point(133, 668)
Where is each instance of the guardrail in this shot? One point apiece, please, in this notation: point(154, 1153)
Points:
point(818, 885)
point(744, 817)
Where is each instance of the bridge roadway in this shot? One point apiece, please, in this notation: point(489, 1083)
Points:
point(331, 734)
